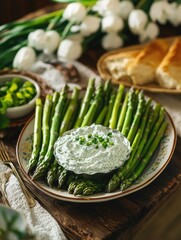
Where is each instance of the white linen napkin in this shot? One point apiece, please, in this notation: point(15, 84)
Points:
point(40, 222)
point(172, 104)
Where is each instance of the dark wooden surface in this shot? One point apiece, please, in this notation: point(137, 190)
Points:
point(11, 10)
point(117, 219)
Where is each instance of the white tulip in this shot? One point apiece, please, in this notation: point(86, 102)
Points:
point(69, 50)
point(75, 12)
point(151, 32)
point(137, 21)
point(112, 23)
point(111, 41)
point(52, 41)
point(106, 7)
point(89, 25)
point(159, 11)
point(110, 6)
point(174, 14)
point(76, 37)
point(24, 58)
point(36, 39)
point(75, 28)
point(177, 21)
point(125, 8)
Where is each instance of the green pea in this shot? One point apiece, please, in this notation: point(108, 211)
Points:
point(89, 135)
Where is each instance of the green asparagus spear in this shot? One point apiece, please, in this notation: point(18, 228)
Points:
point(94, 188)
point(45, 126)
point(89, 117)
point(144, 138)
point(88, 187)
point(107, 88)
point(154, 131)
point(37, 135)
point(73, 184)
point(116, 107)
point(110, 108)
point(54, 133)
point(62, 178)
point(65, 125)
point(80, 186)
point(102, 115)
point(129, 113)
point(117, 177)
point(59, 170)
point(104, 107)
point(70, 112)
point(52, 173)
point(157, 111)
point(137, 117)
point(123, 113)
point(107, 91)
point(71, 177)
point(144, 162)
point(86, 102)
point(55, 98)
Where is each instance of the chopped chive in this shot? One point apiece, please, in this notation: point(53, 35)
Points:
point(94, 140)
point(101, 139)
point(81, 142)
point(104, 144)
point(88, 143)
point(109, 134)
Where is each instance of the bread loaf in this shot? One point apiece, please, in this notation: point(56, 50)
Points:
point(117, 64)
point(143, 69)
point(169, 71)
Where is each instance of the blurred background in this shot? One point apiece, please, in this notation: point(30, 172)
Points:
point(11, 9)
point(166, 223)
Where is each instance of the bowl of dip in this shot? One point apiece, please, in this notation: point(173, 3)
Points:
point(92, 150)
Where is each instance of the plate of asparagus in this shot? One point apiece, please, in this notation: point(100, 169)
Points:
point(144, 122)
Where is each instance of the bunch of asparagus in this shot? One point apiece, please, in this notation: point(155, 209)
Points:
point(136, 117)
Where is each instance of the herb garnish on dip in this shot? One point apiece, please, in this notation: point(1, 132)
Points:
point(92, 149)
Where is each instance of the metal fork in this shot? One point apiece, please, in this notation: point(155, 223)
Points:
point(4, 157)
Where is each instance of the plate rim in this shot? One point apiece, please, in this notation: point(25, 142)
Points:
point(146, 87)
point(90, 199)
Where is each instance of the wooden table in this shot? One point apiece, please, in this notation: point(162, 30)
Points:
point(116, 219)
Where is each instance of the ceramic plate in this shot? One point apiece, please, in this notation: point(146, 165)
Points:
point(105, 74)
point(158, 163)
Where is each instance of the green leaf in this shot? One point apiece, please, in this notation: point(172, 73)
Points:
point(85, 2)
point(4, 121)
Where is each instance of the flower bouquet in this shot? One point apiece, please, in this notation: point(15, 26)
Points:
point(69, 31)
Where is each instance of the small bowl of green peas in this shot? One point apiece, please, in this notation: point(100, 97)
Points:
point(18, 94)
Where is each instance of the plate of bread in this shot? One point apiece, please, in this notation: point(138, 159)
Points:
point(154, 66)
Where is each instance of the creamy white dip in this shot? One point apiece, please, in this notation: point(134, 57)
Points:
point(92, 149)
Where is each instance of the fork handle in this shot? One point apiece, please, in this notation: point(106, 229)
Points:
point(31, 201)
